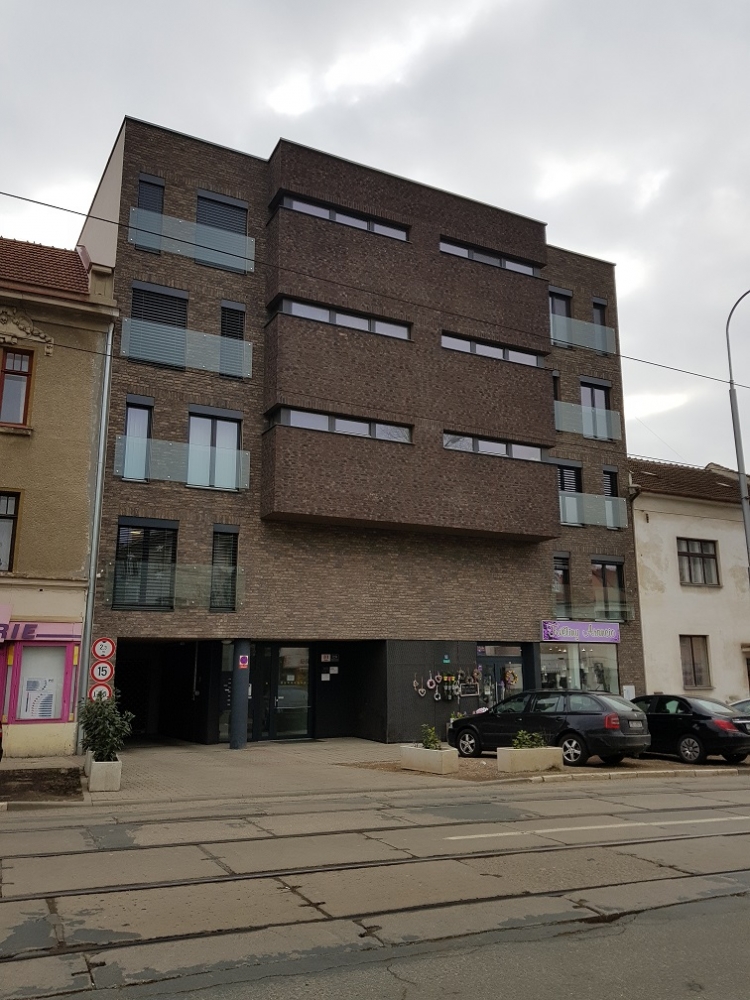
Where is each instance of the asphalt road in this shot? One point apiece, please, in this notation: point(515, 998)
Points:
point(598, 888)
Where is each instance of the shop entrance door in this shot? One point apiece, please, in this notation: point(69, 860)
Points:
point(281, 678)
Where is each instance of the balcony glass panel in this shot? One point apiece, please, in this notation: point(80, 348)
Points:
point(590, 422)
point(588, 508)
point(568, 332)
point(179, 348)
point(586, 611)
point(183, 586)
point(205, 244)
point(179, 462)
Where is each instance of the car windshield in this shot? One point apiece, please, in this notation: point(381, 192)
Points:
point(713, 707)
point(618, 704)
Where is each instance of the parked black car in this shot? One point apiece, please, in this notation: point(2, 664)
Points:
point(581, 722)
point(695, 728)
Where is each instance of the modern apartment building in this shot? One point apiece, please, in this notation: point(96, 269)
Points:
point(363, 434)
point(55, 313)
point(692, 572)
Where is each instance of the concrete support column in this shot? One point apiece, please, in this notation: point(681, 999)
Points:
point(240, 688)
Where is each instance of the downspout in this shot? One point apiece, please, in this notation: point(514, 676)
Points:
point(88, 619)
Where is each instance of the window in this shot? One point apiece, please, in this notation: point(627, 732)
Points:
point(609, 589)
point(513, 705)
point(342, 425)
point(694, 656)
point(231, 253)
point(486, 257)
point(698, 562)
point(548, 703)
point(594, 396)
point(151, 196)
point(157, 329)
point(213, 452)
point(489, 446)
point(583, 703)
point(489, 350)
point(15, 377)
point(672, 706)
point(221, 214)
point(137, 437)
point(609, 483)
point(561, 586)
point(231, 354)
point(224, 569)
point(41, 683)
point(569, 479)
point(559, 305)
point(8, 522)
point(345, 218)
point(145, 566)
point(354, 321)
point(600, 313)
point(150, 199)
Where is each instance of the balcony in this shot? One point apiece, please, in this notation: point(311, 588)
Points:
point(587, 508)
point(592, 611)
point(144, 459)
point(567, 332)
point(204, 244)
point(177, 347)
point(196, 587)
point(601, 425)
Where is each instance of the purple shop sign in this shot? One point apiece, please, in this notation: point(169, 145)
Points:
point(580, 631)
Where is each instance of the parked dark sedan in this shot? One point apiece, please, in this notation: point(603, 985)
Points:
point(581, 722)
point(695, 728)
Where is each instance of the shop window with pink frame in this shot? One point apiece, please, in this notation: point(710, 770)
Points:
point(38, 682)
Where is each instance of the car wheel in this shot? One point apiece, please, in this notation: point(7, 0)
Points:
point(468, 743)
point(734, 758)
point(690, 750)
point(575, 751)
point(612, 759)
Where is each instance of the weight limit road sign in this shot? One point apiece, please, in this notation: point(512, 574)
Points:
point(100, 690)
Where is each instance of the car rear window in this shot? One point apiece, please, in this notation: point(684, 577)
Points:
point(713, 707)
point(619, 704)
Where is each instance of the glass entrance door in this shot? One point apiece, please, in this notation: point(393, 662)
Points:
point(281, 683)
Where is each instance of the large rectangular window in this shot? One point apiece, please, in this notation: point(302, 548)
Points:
point(15, 383)
point(486, 257)
point(466, 346)
point(41, 683)
point(215, 212)
point(213, 453)
point(337, 317)
point(608, 583)
point(157, 333)
point(561, 586)
point(559, 305)
point(490, 446)
point(8, 522)
point(145, 566)
point(224, 569)
point(344, 218)
point(342, 425)
point(137, 437)
point(698, 562)
point(694, 656)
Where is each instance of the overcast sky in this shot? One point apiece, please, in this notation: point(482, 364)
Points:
point(623, 124)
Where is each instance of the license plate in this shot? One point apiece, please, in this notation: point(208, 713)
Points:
point(636, 725)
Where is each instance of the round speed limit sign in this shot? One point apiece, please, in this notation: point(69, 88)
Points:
point(103, 649)
point(102, 670)
point(100, 691)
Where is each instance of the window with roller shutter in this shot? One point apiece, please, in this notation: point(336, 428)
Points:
point(232, 341)
point(568, 479)
point(609, 483)
point(164, 342)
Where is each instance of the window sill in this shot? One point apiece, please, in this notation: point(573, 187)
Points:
point(709, 586)
point(16, 429)
point(139, 607)
point(214, 489)
point(703, 687)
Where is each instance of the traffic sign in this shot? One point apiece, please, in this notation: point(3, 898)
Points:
point(102, 670)
point(103, 649)
point(100, 690)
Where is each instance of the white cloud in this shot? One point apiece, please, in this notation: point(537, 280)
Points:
point(647, 404)
point(292, 97)
point(22, 220)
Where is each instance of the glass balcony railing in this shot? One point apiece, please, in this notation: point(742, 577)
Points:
point(602, 425)
point(592, 611)
point(179, 462)
point(567, 332)
point(205, 244)
point(587, 508)
point(137, 585)
point(180, 348)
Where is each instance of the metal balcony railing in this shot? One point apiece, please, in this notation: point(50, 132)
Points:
point(602, 425)
point(567, 332)
point(588, 508)
point(205, 244)
point(177, 347)
point(136, 585)
point(180, 462)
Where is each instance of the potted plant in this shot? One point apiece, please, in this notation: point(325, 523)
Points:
point(105, 727)
point(529, 753)
point(429, 755)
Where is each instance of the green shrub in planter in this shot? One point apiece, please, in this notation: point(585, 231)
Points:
point(105, 727)
point(528, 741)
point(430, 739)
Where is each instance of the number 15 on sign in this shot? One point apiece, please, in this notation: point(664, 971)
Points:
point(102, 671)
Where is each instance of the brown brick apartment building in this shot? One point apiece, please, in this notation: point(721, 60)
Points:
point(342, 441)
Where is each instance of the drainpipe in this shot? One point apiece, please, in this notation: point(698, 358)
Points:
point(95, 531)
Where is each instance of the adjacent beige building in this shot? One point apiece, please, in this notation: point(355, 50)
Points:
point(692, 578)
point(55, 312)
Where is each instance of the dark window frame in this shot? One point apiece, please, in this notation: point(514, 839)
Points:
point(8, 352)
point(371, 222)
point(478, 439)
point(214, 419)
point(149, 409)
point(689, 674)
point(224, 574)
point(610, 485)
point(142, 604)
point(481, 255)
point(567, 474)
point(376, 428)
point(285, 305)
point(505, 351)
point(6, 495)
point(685, 560)
point(613, 598)
point(561, 586)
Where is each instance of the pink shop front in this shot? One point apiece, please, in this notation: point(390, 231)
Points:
point(38, 686)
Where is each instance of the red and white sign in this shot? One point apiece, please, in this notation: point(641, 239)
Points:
point(103, 649)
point(102, 670)
point(100, 691)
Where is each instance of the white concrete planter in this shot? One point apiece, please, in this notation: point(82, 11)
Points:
point(538, 759)
point(105, 776)
point(432, 761)
point(87, 762)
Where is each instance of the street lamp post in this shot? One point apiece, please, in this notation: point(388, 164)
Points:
point(744, 500)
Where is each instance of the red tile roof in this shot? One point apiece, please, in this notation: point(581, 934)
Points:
point(42, 267)
point(684, 480)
